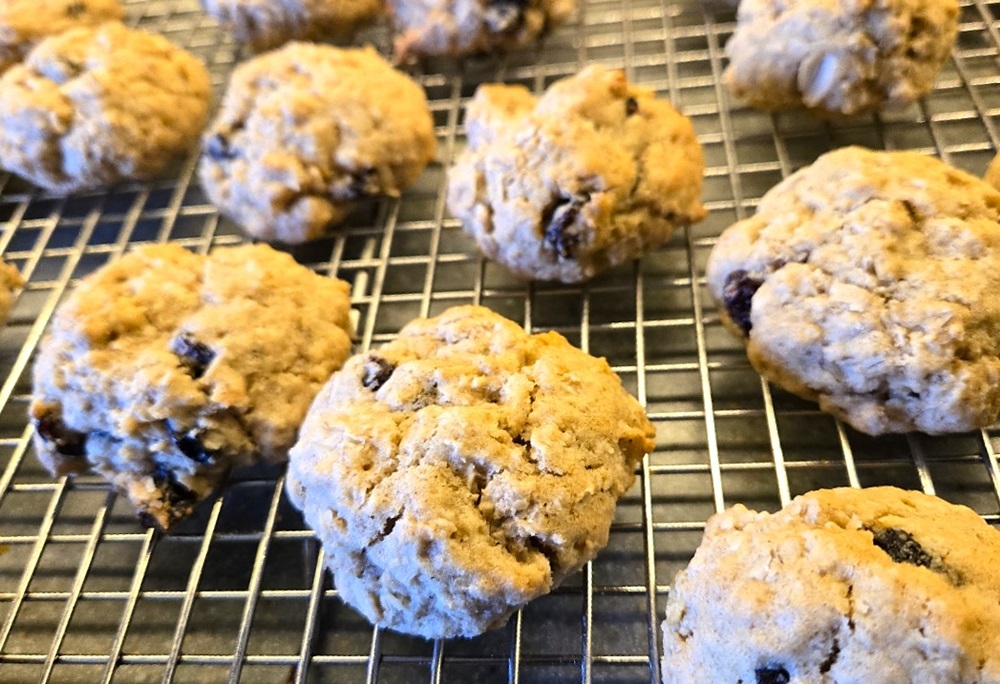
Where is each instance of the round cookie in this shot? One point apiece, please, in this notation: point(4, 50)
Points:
point(306, 131)
point(24, 23)
point(840, 58)
point(867, 282)
point(594, 173)
point(10, 281)
point(95, 106)
point(265, 24)
point(876, 585)
point(464, 469)
point(165, 369)
point(462, 27)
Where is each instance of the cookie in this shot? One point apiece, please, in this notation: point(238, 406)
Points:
point(308, 130)
point(165, 369)
point(462, 27)
point(10, 282)
point(839, 58)
point(266, 24)
point(96, 106)
point(592, 174)
point(464, 469)
point(867, 282)
point(876, 585)
point(24, 23)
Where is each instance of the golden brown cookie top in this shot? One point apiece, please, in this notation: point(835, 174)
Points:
point(463, 469)
point(165, 369)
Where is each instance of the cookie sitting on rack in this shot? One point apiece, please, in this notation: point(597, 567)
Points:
point(867, 282)
point(165, 369)
point(307, 131)
point(840, 58)
point(93, 107)
point(426, 28)
point(876, 585)
point(265, 24)
point(25, 23)
point(594, 173)
point(464, 469)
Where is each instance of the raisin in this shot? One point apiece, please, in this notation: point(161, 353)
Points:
point(560, 233)
point(772, 674)
point(174, 493)
point(53, 430)
point(831, 658)
point(363, 183)
point(191, 446)
point(388, 526)
point(631, 106)
point(218, 148)
point(195, 356)
point(915, 36)
point(73, 10)
point(737, 296)
point(902, 547)
point(502, 16)
point(377, 372)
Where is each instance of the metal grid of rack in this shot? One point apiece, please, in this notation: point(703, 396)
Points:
point(238, 593)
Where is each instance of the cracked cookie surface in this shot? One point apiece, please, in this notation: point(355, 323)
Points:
point(307, 131)
point(464, 469)
point(92, 107)
point(461, 27)
point(266, 24)
point(594, 173)
point(876, 585)
point(842, 58)
point(165, 369)
point(867, 282)
point(25, 23)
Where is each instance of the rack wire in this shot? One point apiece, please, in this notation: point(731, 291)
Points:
point(238, 592)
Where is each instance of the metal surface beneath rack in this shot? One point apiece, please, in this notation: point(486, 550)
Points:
point(238, 593)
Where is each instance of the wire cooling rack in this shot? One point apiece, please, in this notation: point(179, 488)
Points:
point(238, 593)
